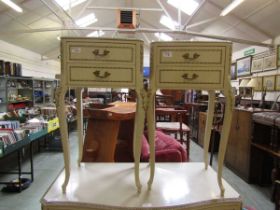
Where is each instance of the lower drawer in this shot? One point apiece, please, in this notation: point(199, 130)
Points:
point(202, 78)
point(121, 76)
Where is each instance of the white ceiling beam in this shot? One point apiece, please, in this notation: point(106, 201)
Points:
point(180, 18)
point(202, 22)
point(126, 8)
point(85, 6)
point(53, 11)
point(194, 14)
point(51, 54)
point(146, 38)
point(141, 30)
point(258, 9)
point(164, 9)
point(242, 20)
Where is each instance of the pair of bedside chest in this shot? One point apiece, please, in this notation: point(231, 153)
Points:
point(118, 63)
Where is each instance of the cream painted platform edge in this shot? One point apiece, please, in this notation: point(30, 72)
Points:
point(111, 186)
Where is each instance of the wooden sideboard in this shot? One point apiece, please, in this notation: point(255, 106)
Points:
point(239, 143)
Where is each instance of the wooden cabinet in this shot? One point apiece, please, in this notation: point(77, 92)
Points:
point(265, 148)
point(201, 127)
point(239, 143)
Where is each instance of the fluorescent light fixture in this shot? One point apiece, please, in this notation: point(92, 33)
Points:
point(187, 6)
point(67, 4)
point(231, 7)
point(86, 20)
point(163, 37)
point(12, 5)
point(96, 33)
point(169, 23)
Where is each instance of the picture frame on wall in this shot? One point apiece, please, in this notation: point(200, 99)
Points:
point(233, 71)
point(257, 65)
point(277, 82)
point(259, 85)
point(243, 66)
point(278, 55)
point(269, 83)
point(269, 62)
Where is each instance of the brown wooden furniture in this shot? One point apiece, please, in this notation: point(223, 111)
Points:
point(175, 124)
point(194, 109)
point(104, 122)
point(239, 144)
point(265, 152)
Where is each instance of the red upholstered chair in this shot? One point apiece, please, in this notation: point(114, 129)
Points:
point(167, 149)
point(174, 123)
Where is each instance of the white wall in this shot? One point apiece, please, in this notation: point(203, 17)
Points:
point(32, 65)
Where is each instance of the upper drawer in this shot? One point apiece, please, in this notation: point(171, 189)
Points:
point(101, 52)
point(193, 55)
point(105, 75)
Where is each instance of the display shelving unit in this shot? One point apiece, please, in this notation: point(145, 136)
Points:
point(21, 92)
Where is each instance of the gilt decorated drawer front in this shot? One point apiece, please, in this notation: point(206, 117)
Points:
point(102, 52)
point(192, 77)
point(193, 55)
point(104, 75)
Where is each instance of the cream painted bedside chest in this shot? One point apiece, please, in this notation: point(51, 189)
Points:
point(95, 62)
point(194, 65)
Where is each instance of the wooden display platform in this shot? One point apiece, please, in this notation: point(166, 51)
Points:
point(99, 186)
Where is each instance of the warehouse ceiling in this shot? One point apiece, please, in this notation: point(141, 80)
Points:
point(40, 24)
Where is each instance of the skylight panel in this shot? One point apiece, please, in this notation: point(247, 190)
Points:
point(187, 6)
point(169, 23)
point(67, 4)
point(12, 5)
point(86, 20)
point(96, 33)
point(231, 7)
point(163, 37)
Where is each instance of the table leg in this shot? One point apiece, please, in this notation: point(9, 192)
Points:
point(80, 123)
point(151, 132)
point(60, 94)
point(225, 133)
point(137, 136)
point(208, 127)
point(99, 144)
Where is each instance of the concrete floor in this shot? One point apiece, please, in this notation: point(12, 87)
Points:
point(47, 166)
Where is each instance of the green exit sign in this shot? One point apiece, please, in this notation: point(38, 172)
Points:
point(249, 52)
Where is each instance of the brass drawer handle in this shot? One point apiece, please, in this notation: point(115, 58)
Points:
point(97, 53)
point(188, 57)
point(105, 75)
point(186, 76)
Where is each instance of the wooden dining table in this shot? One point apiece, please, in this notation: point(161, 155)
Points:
point(103, 128)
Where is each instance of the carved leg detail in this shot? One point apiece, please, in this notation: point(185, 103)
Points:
point(208, 127)
point(80, 123)
point(60, 104)
point(225, 133)
point(151, 131)
point(137, 137)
